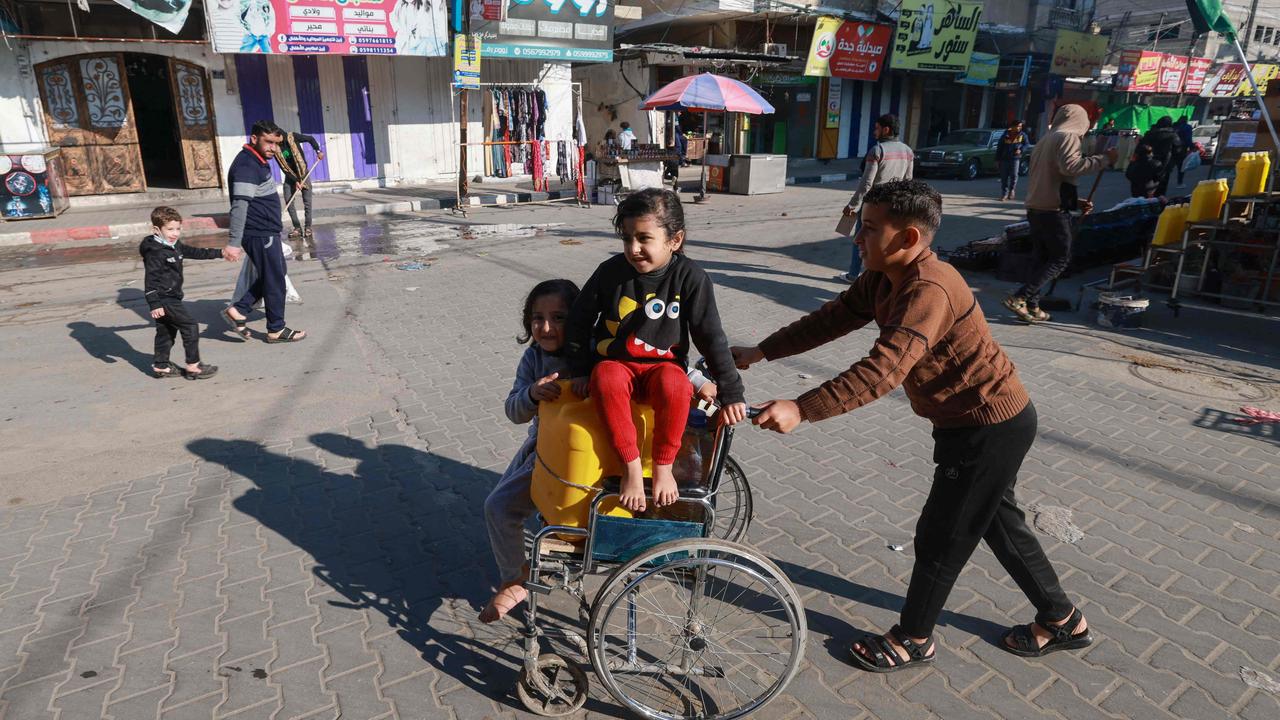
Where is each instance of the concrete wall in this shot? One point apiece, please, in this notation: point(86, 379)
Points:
point(605, 94)
point(21, 126)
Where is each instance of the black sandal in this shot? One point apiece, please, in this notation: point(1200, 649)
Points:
point(1064, 637)
point(163, 371)
point(237, 326)
point(916, 652)
point(287, 335)
point(206, 372)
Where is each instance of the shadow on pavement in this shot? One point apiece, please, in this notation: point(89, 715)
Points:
point(840, 634)
point(402, 534)
point(105, 343)
point(1224, 421)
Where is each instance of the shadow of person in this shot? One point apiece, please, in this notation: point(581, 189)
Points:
point(841, 634)
point(105, 343)
point(401, 533)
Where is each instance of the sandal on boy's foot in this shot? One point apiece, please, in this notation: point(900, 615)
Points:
point(1018, 306)
point(1037, 315)
point(882, 657)
point(287, 335)
point(164, 371)
point(1021, 639)
point(237, 326)
point(206, 372)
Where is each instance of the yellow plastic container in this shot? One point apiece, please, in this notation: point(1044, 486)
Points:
point(1172, 222)
point(1207, 200)
point(573, 444)
point(1252, 170)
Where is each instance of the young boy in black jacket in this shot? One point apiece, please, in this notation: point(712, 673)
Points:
point(162, 256)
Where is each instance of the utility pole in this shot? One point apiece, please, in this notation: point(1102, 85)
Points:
point(1248, 28)
point(464, 38)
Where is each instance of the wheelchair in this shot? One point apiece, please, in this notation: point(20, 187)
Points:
point(686, 624)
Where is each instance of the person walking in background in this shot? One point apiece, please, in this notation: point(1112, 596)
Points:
point(1013, 144)
point(293, 164)
point(1185, 142)
point(626, 138)
point(1143, 173)
point(888, 160)
point(1051, 198)
point(1165, 148)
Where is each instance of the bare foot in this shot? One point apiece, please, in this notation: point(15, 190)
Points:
point(231, 310)
point(504, 601)
point(665, 491)
point(631, 493)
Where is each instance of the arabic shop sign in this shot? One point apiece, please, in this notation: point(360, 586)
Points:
point(860, 50)
point(935, 35)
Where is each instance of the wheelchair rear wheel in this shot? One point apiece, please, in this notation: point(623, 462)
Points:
point(733, 504)
point(697, 628)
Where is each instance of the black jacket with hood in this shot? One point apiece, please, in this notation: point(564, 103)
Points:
point(163, 266)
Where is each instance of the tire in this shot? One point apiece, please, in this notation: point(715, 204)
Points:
point(1024, 166)
point(733, 504)
point(971, 171)
point(568, 681)
point(718, 609)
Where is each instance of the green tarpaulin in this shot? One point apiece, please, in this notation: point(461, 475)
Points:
point(1141, 117)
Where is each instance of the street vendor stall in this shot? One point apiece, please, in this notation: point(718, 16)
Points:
point(708, 93)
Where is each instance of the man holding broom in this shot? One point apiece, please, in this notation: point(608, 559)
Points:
point(1051, 198)
point(293, 163)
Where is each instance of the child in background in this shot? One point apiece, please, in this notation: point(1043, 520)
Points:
point(628, 336)
point(162, 254)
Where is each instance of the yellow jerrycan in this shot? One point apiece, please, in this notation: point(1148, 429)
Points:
point(575, 455)
point(1170, 226)
point(1207, 200)
point(1251, 174)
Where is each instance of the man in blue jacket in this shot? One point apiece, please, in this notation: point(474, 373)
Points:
point(256, 231)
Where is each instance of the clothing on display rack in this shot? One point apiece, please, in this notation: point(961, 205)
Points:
point(520, 117)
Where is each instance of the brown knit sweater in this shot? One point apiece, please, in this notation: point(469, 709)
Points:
point(934, 340)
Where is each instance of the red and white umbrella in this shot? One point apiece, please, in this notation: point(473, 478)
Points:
point(708, 93)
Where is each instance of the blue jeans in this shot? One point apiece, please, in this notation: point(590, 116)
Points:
point(1009, 176)
point(855, 262)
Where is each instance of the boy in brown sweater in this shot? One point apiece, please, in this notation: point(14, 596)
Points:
point(934, 341)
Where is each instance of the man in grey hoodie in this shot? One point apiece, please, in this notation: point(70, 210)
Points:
point(1051, 198)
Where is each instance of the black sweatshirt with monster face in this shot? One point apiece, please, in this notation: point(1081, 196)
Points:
point(622, 314)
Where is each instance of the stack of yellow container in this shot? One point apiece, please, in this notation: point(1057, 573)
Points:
point(1252, 170)
point(1207, 200)
point(1171, 224)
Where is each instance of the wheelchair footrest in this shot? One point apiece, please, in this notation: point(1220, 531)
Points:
point(540, 588)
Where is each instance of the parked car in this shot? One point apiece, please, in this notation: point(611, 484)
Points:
point(1207, 137)
point(967, 154)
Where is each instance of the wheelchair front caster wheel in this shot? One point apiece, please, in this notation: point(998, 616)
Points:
point(564, 688)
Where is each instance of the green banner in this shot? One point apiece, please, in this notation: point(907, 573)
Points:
point(935, 35)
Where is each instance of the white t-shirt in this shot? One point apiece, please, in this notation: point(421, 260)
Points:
point(626, 139)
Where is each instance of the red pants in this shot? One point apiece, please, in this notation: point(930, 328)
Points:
point(664, 386)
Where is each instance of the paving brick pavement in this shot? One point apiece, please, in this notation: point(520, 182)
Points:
point(339, 574)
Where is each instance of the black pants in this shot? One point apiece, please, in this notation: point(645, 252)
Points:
point(972, 499)
point(176, 320)
point(290, 189)
point(268, 260)
point(1051, 252)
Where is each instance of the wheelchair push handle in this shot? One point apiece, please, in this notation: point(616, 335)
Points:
point(711, 408)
